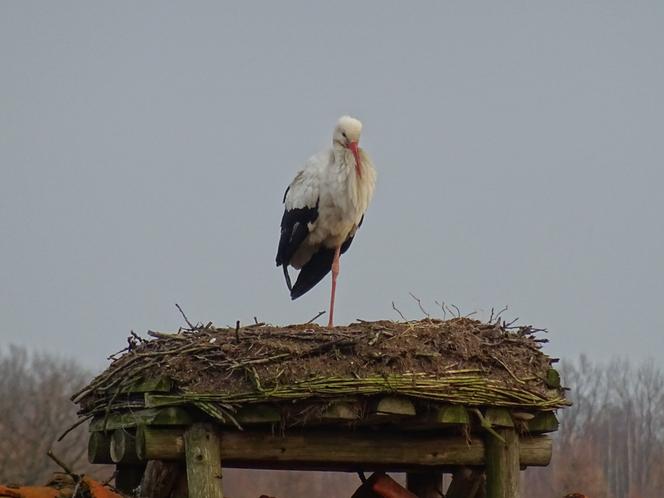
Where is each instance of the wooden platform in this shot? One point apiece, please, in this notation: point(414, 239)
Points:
point(395, 438)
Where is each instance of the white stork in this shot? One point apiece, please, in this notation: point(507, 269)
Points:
point(324, 207)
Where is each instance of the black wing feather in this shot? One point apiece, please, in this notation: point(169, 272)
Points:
point(294, 229)
point(313, 272)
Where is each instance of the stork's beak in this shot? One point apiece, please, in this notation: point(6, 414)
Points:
point(356, 152)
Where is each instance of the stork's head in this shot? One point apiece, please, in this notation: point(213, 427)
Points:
point(347, 135)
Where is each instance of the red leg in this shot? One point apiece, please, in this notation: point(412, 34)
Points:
point(335, 273)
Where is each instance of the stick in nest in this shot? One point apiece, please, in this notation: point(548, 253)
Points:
point(191, 327)
point(394, 307)
point(419, 303)
point(320, 313)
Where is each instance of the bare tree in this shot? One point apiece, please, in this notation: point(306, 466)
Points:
point(611, 441)
point(35, 391)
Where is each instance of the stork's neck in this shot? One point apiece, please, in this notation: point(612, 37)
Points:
point(343, 158)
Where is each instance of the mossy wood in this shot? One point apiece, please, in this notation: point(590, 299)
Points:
point(543, 422)
point(99, 448)
point(123, 447)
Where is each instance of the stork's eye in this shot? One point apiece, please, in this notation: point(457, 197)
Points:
point(344, 134)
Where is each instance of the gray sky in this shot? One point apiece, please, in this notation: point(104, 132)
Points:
point(145, 148)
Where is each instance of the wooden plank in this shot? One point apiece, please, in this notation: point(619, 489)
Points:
point(202, 445)
point(543, 422)
point(171, 415)
point(425, 484)
point(99, 448)
point(502, 464)
point(123, 446)
point(338, 450)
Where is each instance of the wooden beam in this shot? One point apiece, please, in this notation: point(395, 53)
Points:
point(452, 415)
point(339, 450)
point(393, 406)
point(502, 464)
point(99, 448)
point(123, 446)
point(155, 443)
point(543, 422)
point(425, 484)
point(202, 445)
point(171, 415)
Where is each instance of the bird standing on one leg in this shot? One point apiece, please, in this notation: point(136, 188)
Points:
point(324, 207)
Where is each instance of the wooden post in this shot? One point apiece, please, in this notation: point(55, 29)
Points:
point(502, 464)
point(202, 450)
point(425, 484)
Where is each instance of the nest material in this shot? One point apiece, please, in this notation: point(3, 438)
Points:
point(461, 361)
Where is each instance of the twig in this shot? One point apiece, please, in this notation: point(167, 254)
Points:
point(237, 331)
point(502, 310)
point(63, 465)
point(320, 313)
point(487, 425)
point(442, 305)
point(419, 303)
point(394, 307)
point(191, 327)
point(85, 419)
point(458, 311)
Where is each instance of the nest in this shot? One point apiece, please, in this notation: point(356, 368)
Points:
point(459, 361)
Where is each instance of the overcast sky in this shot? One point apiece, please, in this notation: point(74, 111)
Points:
point(145, 148)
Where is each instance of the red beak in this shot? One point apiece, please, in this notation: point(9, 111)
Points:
point(356, 152)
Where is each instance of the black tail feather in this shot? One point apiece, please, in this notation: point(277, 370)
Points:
point(313, 272)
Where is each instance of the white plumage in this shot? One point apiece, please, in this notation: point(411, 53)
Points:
point(324, 206)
